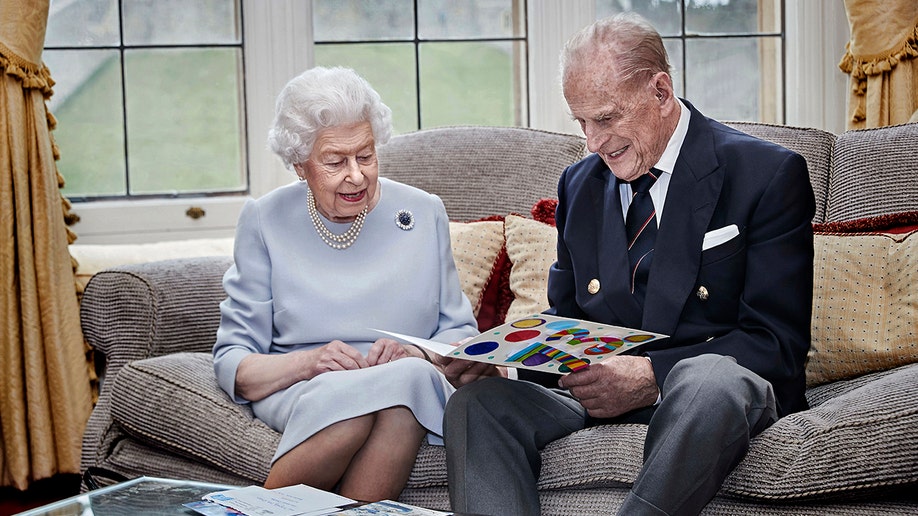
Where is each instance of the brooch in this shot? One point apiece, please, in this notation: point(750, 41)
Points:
point(404, 220)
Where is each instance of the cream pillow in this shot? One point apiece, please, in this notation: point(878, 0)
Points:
point(92, 258)
point(475, 249)
point(865, 304)
point(532, 249)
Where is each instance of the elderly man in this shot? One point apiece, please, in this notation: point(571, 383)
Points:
point(676, 224)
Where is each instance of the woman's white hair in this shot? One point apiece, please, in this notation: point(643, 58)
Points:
point(320, 98)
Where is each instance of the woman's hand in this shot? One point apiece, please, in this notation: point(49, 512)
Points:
point(386, 350)
point(260, 375)
point(334, 356)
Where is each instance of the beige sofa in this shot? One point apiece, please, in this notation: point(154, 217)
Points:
point(161, 413)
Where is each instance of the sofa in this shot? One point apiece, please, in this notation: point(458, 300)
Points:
point(160, 412)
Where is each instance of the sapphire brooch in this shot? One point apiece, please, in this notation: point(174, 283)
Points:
point(404, 220)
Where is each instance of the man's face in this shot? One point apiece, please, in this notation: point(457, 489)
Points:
point(623, 123)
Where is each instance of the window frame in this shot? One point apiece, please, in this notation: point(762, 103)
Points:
point(279, 45)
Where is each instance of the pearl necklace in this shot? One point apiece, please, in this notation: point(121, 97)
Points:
point(342, 241)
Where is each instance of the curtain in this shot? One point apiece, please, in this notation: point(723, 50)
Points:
point(44, 384)
point(881, 59)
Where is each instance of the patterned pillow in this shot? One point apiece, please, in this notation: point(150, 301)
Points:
point(532, 248)
point(865, 301)
point(476, 246)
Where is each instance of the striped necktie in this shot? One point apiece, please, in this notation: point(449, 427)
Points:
point(641, 230)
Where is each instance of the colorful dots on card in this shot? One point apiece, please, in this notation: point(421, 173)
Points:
point(638, 337)
point(560, 325)
point(481, 348)
point(533, 354)
point(573, 366)
point(535, 359)
point(522, 335)
point(532, 322)
point(606, 345)
point(570, 332)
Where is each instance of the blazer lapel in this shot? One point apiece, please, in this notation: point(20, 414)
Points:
point(690, 202)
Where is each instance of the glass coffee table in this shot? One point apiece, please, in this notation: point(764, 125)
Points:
point(143, 496)
point(152, 496)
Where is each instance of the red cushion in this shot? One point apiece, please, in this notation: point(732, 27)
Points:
point(544, 211)
point(893, 223)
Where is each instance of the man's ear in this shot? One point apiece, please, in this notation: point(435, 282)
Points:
point(662, 82)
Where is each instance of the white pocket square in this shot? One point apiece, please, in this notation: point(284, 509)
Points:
point(718, 236)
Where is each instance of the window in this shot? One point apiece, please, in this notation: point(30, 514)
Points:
point(149, 96)
point(727, 55)
point(163, 106)
point(434, 62)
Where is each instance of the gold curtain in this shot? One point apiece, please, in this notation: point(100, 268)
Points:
point(882, 60)
point(44, 384)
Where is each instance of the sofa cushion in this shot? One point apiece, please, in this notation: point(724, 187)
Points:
point(854, 444)
point(497, 296)
point(481, 171)
point(147, 392)
point(92, 258)
point(476, 246)
point(873, 173)
point(532, 249)
point(815, 145)
point(865, 304)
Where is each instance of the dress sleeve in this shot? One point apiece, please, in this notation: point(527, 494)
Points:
point(456, 318)
point(246, 315)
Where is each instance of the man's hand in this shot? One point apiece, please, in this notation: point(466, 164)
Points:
point(614, 386)
point(460, 372)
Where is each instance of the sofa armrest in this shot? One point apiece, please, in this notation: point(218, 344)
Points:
point(139, 311)
point(132, 312)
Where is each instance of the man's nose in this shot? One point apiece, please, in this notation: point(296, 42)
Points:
point(594, 137)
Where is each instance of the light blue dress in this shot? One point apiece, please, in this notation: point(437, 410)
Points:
point(288, 290)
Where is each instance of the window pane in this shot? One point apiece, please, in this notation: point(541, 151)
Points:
point(184, 121)
point(740, 97)
point(472, 83)
point(180, 22)
point(90, 129)
point(356, 20)
point(389, 68)
point(448, 19)
point(664, 15)
point(674, 51)
point(85, 23)
point(732, 16)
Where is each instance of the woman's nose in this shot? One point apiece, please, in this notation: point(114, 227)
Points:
point(353, 171)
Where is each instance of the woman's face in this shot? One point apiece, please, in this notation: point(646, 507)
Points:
point(342, 171)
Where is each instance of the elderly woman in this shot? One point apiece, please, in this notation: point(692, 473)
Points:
point(320, 264)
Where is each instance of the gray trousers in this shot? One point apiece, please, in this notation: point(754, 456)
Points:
point(710, 409)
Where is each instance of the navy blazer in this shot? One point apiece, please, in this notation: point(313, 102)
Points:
point(756, 289)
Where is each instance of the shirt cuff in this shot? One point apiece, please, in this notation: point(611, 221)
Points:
point(659, 394)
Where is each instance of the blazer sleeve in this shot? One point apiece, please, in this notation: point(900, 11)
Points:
point(561, 285)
